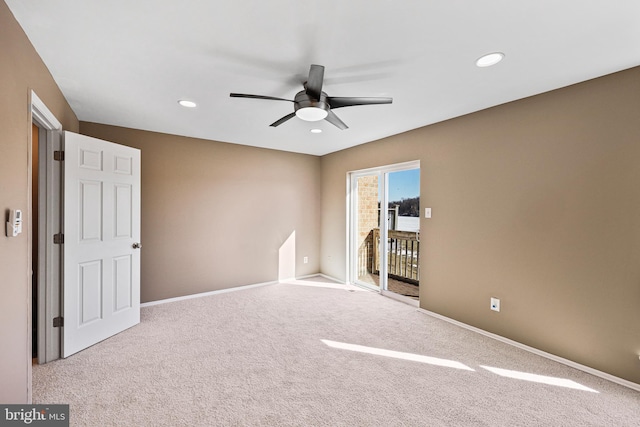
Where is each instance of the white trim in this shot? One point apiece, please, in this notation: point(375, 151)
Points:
point(383, 226)
point(309, 276)
point(238, 288)
point(206, 294)
point(395, 167)
point(567, 362)
point(49, 264)
point(42, 114)
point(347, 238)
point(330, 278)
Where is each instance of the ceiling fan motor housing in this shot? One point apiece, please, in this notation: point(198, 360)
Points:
point(303, 100)
point(310, 109)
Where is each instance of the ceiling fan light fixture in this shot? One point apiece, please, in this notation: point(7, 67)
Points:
point(312, 104)
point(490, 59)
point(188, 104)
point(311, 114)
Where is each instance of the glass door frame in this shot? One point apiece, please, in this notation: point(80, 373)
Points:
point(352, 224)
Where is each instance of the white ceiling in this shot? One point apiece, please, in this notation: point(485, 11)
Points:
point(127, 63)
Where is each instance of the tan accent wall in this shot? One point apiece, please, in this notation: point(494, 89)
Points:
point(535, 202)
point(215, 215)
point(21, 70)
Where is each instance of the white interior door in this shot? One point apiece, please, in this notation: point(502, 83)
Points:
point(101, 241)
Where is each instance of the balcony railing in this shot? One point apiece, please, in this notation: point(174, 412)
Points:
point(403, 253)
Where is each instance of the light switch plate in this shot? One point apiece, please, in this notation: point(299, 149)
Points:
point(427, 212)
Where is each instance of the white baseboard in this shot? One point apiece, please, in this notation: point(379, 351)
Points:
point(222, 291)
point(311, 276)
point(308, 276)
point(205, 294)
point(328, 278)
point(567, 362)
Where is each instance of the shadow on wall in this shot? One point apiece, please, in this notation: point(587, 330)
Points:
point(287, 258)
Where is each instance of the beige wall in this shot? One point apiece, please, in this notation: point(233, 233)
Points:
point(21, 70)
point(215, 215)
point(536, 202)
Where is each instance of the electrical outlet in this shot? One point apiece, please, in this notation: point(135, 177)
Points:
point(305, 260)
point(495, 304)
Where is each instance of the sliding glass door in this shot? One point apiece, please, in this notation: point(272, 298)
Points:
point(385, 228)
point(366, 236)
point(403, 233)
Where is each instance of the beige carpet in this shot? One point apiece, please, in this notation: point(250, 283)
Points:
point(316, 354)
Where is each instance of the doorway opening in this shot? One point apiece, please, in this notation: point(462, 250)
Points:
point(45, 214)
point(35, 173)
point(384, 236)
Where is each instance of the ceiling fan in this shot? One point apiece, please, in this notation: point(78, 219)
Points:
point(312, 104)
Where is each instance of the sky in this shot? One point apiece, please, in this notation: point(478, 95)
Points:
point(404, 184)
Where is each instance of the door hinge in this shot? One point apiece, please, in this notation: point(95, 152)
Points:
point(58, 155)
point(58, 322)
point(58, 239)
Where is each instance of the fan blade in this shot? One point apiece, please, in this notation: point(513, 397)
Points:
point(314, 82)
point(337, 102)
point(244, 95)
point(334, 120)
point(282, 120)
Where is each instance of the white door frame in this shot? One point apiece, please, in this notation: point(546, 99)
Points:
point(49, 254)
point(352, 217)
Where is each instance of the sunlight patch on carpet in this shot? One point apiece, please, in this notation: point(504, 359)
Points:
point(560, 382)
point(397, 355)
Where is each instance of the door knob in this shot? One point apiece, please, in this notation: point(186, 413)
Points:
point(137, 245)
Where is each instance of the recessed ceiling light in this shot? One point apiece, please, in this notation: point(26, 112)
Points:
point(316, 131)
point(490, 59)
point(188, 104)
